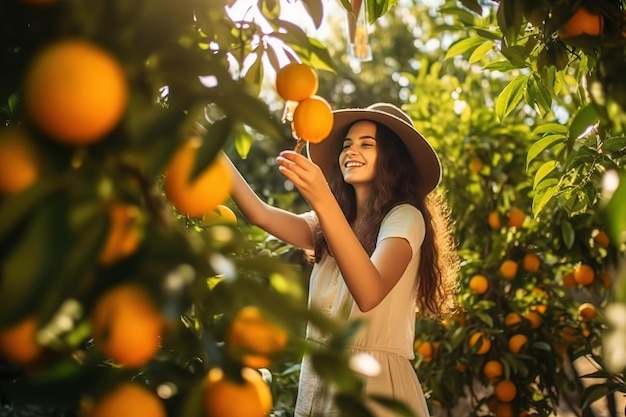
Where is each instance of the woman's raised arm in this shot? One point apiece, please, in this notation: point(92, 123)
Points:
point(280, 223)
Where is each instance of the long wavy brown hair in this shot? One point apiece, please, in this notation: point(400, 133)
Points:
point(393, 184)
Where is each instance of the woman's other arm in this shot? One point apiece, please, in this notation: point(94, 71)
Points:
point(369, 279)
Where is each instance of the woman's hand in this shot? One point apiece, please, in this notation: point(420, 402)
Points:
point(306, 176)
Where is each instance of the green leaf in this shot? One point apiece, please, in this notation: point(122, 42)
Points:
point(254, 74)
point(15, 208)
point(463, 45)
point(593, 393)
point(543, 171)
point(352, 406)
point(86, 242)
point(541, 98)
point(510, 97)
point(568, 233)
point(398, 408)
point(251, 111)
point(502, 66)
point(270, 9)
point(614, 212)
point(543, 144)
point(543, 197)
point(541, 345)
point(461, 13)
point(549, 128)
point(33, 260)
point(243, 142)
point(473, 5)
point(315, 9)
point(584, 119)
point(614, 144)
point(482, 50)
point(216, 135)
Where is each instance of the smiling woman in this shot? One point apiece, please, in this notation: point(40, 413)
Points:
point(381, 242)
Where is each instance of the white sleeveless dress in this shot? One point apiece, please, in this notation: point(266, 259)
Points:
point(388, 332)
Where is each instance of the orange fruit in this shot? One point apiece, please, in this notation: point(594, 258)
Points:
point(584, 274)
point(18, 163)
point(582, 22)
point(505, 391)
point(18, 343)
point(602, 239)
point(586, 312)
point(483, 340)
point(516, 218)
point(425, 349)
point(122, 239)
point(569, 280)
point(313, 119)
point(460, 367)
point(508, 269)
point(226, 398)
point(504, 410)
point(493, 370)
point(512, 320)
point(206, 191)
point(606, 280)
point(127, 400)
point(220, 214)
point(126, 326)
point(475, 165)
point(569, 334)
point(75, 91)
point(296, 82)
point(539, 308)
point(254, 339)
point(492, 403)
point(479, 284)
point(517, 342)
point(493, 219)
point(531, 262)
point(534, 318)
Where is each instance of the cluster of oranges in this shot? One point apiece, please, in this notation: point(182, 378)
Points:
point(509, 310)
point(127, 329)
point(74, 92)
point(312, 119)
point(243, 395)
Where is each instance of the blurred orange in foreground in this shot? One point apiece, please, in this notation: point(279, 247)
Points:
point(198, 196)
point(222, 214)
point(253, 338)
point(127, 400)
point(18, 165)
point(75, 91)
point(126, 326)
point(250, 397)
point(123, 238)
point(18, 343)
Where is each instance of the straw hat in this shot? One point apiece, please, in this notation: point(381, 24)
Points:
point(427, 165)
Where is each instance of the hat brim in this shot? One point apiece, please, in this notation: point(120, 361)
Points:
point(326, 153)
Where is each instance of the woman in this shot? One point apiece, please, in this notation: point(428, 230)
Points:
point(381, 243)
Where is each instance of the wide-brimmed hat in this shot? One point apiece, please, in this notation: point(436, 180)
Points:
point(427, 165)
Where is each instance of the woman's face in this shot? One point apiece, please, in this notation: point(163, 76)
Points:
point(357, 159)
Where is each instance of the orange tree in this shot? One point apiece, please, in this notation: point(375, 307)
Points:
point(530, 125)
point(105, 278)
